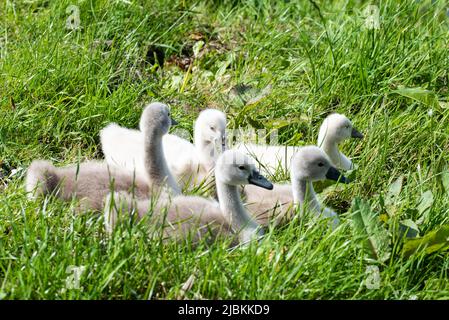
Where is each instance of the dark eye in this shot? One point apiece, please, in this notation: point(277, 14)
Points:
point(212, 128)
point(347, 126)
point(168, 114)
point(320, 164)
point(242, 167)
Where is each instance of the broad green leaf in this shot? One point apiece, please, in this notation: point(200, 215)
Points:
point(222, 66)
point(425, 202)
point(394, 190)
point(424, 205)
point(424, 96)
point(436, 240)
point(277, 123)
point(367, 226)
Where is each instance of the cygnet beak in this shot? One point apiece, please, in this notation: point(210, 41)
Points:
point(334, 174)
point(356, 134)
point(223, 144)
point(259, 180)
point(222, 140)
point(173, 121)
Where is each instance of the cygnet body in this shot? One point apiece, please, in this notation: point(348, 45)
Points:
point(334, 130)
point(309, 164)
point(196, 215)
point(189, 163)
point(91, 181)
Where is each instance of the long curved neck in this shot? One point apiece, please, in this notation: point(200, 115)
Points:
point(329, 145)
point(232, 207)
point(331, 149)
point(156, 166)
point(304, 195)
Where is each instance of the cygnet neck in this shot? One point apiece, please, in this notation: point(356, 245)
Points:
point(156, 166)
point(304, 195)
point(232, 206)
point(330, 147)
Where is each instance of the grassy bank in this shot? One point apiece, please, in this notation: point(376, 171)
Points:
point(279, 65)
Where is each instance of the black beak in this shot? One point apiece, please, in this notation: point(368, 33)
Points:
point(259, 180)
point(173, 121)
point(223, 144)
point(356, 134)
point(334, 174)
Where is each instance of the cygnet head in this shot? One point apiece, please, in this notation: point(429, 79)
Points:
point(156, 116)
point(336, 128)
point(210, 127)
point(235, 168)
point(311, 163)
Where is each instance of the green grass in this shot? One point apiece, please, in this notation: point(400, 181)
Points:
point(58, 88)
